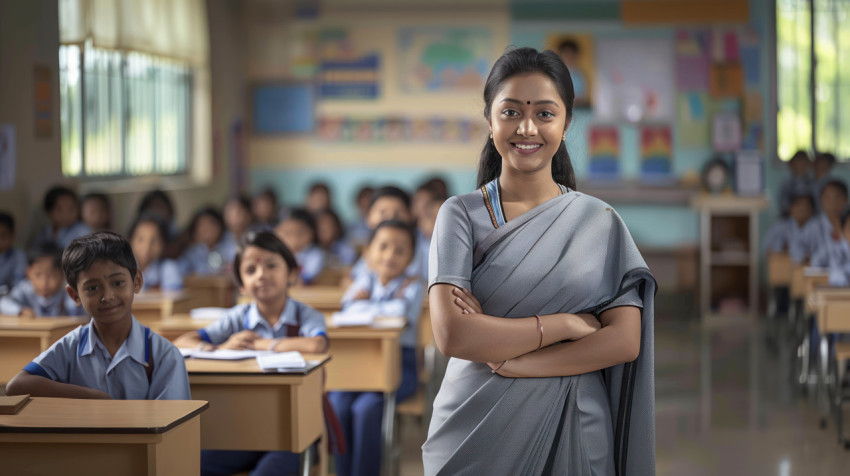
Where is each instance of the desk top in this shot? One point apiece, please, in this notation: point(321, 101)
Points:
point(182, 322)
point(209, 280)
point(15, 323)
point(68, 415)
point(318, 296)
point(156, 298)
point(250, 367)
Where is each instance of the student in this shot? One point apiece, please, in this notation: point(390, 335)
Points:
point(42, 293)
point(331, 239)
point(799, 165)
point(263, 268)
point(264, 207)
point(97, 212)
point(781, 234)
point(157, 201)
point(825, 227)
point(822, 166)
point(113, 356)
point(237, 219)
point(318, 198)
point(424, 229)
point(299, 233)
point(358, 232)
point(385, 291)
point(13, 262)
point(147, 239)
point(837, 258)
point(432, 189)
point(205, 254)
point(63, 210)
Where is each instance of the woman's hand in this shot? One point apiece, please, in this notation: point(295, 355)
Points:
point(240, 341)
point(583, 325)
point(467, 303)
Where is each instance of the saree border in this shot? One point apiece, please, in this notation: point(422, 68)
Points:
point(489, 205)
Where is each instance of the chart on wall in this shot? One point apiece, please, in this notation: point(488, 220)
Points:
point(444, 59)
point(635, 80)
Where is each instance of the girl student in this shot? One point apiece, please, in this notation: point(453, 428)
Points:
point(237, 219)
point(299, 232)
point(148, 236)
point(206, 250)
point(530, 278)
point(386, 291)
point(263, 268)
point(331, 239)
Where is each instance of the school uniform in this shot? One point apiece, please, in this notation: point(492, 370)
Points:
point(145, 367)
point(360, 413)
point(64, 236)
point(418, 268)
point(13, 269)
point(163, 274)
point(817, 188)
point(358, 232)
point(817, 233)
point(228, 246)
point(296, 320)
point(199, 259)
point(779, 236)
point(24, 295)
point(341, 254)
point(311, 262)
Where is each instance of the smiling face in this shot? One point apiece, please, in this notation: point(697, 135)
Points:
point(147, 243)
point(528, 119)
point(265, 275)
point(390, 253)
point(106, 291)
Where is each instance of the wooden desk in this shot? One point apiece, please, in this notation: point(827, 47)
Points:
point(779, 269)
point(813, 278)
point(253, 410)
point(152, 306)
point(23, 338)
point(87, 437)
point(322, 298)
point(833, 317)
point(798, 283)
point(211, 290)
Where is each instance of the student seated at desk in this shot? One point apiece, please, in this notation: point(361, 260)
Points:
point(299, 232)
point(825, 228)
point(836, 256)
point(263, 267)
point(385, 291)
point(42, 293)
point(800, 166)
point(113, 356)
point(331, 239)
point(96, 211)
point(13, 261)
point(205, 254)
point(237, 219)
point(148, 236)
point(63, 210)
point(779, 236)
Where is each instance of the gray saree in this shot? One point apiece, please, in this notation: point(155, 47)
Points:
point(570, 254)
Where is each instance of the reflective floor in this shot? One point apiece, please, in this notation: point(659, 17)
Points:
point(725, 405)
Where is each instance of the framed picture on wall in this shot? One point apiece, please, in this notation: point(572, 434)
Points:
point(283, 108)
point(576, 51)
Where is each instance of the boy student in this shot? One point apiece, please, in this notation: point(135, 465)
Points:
point(779, 237)
point(822, 167)
point(825, 228)
point(13, 262)
point(799, 165)
point(42, 293)
point(113, 356)
point(837, 257)
point(63, 210)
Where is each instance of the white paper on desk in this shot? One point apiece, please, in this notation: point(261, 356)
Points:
point(211, 313)
point(226, 354)
point(815, 271)
point(389, 322)
point(347, 319)
point(281, 361)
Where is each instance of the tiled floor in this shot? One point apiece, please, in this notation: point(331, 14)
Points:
point(725, 405)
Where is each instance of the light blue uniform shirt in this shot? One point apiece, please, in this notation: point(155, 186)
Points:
point(242, 317)
point(342, 254)
point(23, 295)
point(311, 262)
point(80, 358)
point(796, 186)
point(13, 269)
point(818, 233)
point(198, 259)
point(228, 246)
point(418, 268)
point(400, 297)
point(163, 274)
point(839, 263)
point(780, 236)
point(64, 236)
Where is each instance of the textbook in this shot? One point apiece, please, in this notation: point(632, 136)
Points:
point(12, 405)
point(282, 361)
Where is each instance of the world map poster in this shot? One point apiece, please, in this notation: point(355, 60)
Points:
point(444, 59)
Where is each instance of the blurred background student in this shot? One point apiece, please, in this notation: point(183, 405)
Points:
point(97, 212)
point(63, 213)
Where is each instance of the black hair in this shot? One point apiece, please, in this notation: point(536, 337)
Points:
point(827, 156)
point(800, 155)
point(262, 238)
point(106, 204)
point(844, 217)
point(45, 250)
point(320, 186)
point(435, 187)
point(523, 61)
point(207, 211)
point(153, 196)
point(839, 184)
point(55, 193)
point(269, 193)
point(397, 225)
point(8, 220)
point(305, 217)
point(571, 44)
point(367, 190)
point(102, 245)
point(390, 191)
point(150, 217)
point(804, 196)
point(335, 218)
point(242, 200)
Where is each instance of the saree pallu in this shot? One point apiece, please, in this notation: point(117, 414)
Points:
point(570, 254)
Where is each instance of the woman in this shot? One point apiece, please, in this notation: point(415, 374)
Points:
point(578, 298)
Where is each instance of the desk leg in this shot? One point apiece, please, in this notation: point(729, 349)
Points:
point(307, 461)
point(388, 423)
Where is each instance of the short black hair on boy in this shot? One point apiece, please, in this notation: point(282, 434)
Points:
point(839, 184)
point(827, 156)
point(102, 245)
point(800, 155)
point(307, 218)
point(150, 217)
point(207, 211)
point(393, 192)
point(157, 196)
point(55, 193)
point(804, 196)
point(397, 225)
point(320, 186)
point(45, 250)
point(265, 239)
point(8, 220)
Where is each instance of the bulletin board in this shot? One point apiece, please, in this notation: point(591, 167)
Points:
point(283, 108)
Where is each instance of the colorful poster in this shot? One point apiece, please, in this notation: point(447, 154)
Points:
point(349, 79)
point(636, 80)
point(656, 153)
point(576, 51)
point(604, 153)
point(727, 80)
point(283, 108)
point(726, 132)
point(395, 129)
point(692, 125)
point(692, 60)
point(444, 59)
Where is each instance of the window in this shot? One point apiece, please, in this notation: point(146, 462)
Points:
point(123, 113)
point(824, 125)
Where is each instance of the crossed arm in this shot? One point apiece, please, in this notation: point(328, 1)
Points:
point(572, 343)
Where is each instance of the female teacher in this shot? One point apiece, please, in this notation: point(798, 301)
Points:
point(542, 300)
